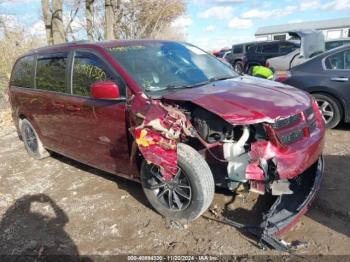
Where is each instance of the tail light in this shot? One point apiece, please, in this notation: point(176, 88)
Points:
point(281, 76)
point(267, 64)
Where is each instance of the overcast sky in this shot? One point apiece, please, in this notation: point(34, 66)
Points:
point(213, 24)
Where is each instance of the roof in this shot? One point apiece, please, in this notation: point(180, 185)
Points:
point(322, 24)
point(264, 42)
point(103, 44)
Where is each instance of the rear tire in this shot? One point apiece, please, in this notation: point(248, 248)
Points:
point(194, 199)
point(330, 109)
point(238, 67)
point(31, 140)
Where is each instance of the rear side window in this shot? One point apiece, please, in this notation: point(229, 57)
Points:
point(252, 48)
point(286, 48)
point(279, 37)
point(339, 61)
point(334, 44)
point(89, 69)
point(51, 73)
point(23, 72)
point(237, 49)
point(270, 48)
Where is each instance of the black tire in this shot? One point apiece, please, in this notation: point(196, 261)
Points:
point(330, 109)
point(31, 140)
point(199, 194)
point(238, 67)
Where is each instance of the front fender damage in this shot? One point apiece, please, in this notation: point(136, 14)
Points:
point(157, 136)
point(160, 127)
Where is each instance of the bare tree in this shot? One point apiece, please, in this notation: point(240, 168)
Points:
point(145, 19)
point(14, 43)
point(58, 32)
point(72, 16)
point(109, 20)
point(47, 20)
point(52, 16)
point(89, 14)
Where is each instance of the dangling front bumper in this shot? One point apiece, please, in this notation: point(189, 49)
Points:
point(286, 211)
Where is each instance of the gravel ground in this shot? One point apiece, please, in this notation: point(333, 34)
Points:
point(58, 206)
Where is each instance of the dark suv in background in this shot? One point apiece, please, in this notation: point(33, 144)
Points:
point(246, 55)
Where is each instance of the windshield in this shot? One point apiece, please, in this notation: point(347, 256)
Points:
point(163, 65)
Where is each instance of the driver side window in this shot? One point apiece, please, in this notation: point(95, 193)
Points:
point(89, 69)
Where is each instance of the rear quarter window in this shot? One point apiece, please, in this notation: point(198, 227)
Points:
point(338, 61)
point(51, 73)
point(334, 44)
point(22, 75)
point(286, 48)
point(270, 48)
point(237, 49)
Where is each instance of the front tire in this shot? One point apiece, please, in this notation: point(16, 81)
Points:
point(188, 195)
point(31, 140)
point(330, 109)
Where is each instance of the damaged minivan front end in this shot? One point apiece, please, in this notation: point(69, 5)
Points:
point(281, 156)
point(260, 135)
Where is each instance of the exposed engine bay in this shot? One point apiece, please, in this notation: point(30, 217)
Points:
point(253, 155)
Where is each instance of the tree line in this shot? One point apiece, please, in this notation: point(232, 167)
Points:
point(95, 20)
point(110, 19)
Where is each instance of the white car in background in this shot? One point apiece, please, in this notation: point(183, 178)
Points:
point(311, 43)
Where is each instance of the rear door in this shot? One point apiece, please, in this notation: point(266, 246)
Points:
point(95, 129)
point(337, 75)
point(51, 91)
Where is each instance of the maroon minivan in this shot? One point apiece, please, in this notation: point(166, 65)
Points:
point(176, 119)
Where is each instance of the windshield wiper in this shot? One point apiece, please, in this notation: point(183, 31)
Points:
point(189, 86)
point(218, 78)
point(210, 80)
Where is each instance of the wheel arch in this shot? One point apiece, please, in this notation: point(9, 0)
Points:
point(237, 60)
point(342, 108)
point(21, 116)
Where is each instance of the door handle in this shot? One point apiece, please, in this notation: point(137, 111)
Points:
point(340, 79)
point(58, 105)
point(73, 108)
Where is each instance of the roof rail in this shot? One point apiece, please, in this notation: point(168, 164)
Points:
point(78, 42)
point(60, 45)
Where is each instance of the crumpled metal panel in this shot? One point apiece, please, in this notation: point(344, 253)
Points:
point(291, 160)
point(244, 100)
point(158, 134)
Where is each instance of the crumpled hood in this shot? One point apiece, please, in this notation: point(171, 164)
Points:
point(245, 100)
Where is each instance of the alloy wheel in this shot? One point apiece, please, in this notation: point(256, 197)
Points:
point(238, 68)
point(30, 138)
point(176, 194)
point(326, 109)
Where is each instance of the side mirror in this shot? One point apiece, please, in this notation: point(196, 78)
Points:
point(105, 90)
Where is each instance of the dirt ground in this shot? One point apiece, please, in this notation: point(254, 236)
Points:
point(59, 206)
